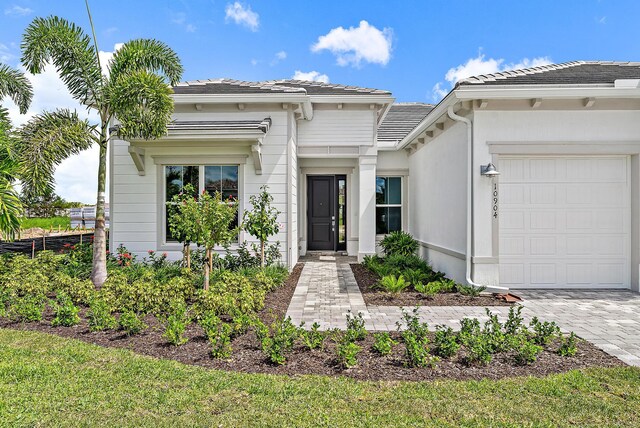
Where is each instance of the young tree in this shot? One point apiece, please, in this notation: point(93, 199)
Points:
point(15, 85)
point(183, 214)
point(135, 92)
point(262, 220)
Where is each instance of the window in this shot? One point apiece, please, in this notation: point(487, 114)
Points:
point(212, 178)
point(388, 204)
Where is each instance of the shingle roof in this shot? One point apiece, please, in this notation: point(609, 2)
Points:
point(230, 86)
point(221, 125)
point(401, 119)
point(568, 73)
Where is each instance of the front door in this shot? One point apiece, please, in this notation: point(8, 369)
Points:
point(321, 213)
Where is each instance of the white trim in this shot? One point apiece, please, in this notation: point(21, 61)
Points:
point(564, 147)
point(200, 160)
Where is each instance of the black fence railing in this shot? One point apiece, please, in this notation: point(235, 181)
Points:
point(31, 246)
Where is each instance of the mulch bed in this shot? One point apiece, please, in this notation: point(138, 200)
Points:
point(367, 281)
point(247, 356)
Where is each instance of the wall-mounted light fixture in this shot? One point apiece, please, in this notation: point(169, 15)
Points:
point(489, 170)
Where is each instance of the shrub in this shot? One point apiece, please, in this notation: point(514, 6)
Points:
point(240, 323)
point(261, 330)
point(176, 323)
point(469, 327)
point(514, 324)
point(415, 276)
point(81, 291)
point(496, 340)
point(442, 285)
point(27, 308)
point(355, 327)
point(400, 263)
point(314, 338)
point(391, 284)
point(99, 315)
point(219, 335)
point(430, 289)
point(470, 290)
point(417, 351)
point(526, 351)
point(411, 322)
point(347, 354)
point(66, 313)
point(131, 323)
point(445, 342)
point(478, 349)
point(544, 332)
point(232, 293)
point(370, 261)
point(568, 345)
point(399, 243)
point(261, 221)
point(281, 341)
point(383, 343)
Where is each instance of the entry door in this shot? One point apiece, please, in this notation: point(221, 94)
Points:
point(321, 213)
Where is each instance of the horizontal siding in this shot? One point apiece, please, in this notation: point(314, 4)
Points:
point(337, 127)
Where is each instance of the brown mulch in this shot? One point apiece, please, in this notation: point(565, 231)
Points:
point(367, 281)
point(247, 356)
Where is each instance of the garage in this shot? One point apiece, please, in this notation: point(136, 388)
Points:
point(565, 221)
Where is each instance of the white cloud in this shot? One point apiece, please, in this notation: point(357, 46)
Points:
point(479, 66)
point(357, 44)
point(16, 10)
point(6, 54)
point(180, 18)
point(190, 28)
point(76, 177)
point(312, 76)
point(254, 62)
point(279, 56)
point(105, 57)
point(602, 20)
point(242, 15)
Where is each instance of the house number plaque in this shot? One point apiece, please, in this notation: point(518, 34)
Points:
point(494, 206)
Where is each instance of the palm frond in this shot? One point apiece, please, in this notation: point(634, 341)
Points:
point(15, 85)
point(142, 104)
point(146, 55)
point(11, 210)
point(66, 45)
point(45, 141)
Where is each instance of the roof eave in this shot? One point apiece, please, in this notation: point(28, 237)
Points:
point(474, 92)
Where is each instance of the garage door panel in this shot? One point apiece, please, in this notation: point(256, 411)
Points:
point(563, 225)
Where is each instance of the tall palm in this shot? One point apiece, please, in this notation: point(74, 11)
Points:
point(135, 92)
point(15, 85)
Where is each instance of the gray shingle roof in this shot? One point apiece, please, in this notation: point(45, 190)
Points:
point(401, 119)
point(568, 73)
point(221, 125)
point(231, 87)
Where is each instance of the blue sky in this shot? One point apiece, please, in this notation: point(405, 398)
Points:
point(416, 49)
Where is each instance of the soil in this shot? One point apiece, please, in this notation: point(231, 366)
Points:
point(247, 356)
point(367, 281)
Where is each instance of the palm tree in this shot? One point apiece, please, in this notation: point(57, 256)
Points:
point(15, 85)
point(135, 92)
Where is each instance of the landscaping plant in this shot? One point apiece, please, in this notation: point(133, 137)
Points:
point(99, 315)
point(261, 221)
point(411, 322)
point(514, 324)
point(470, 290)
point(176, 323)
point(219, 335)
point(281, 340)
point(399, 243)
point(568, 345)
point(417, 351)
point(66, 313)
point(355, 327)
point(391, 284)
point(543, 332)
point(445, 342)
point(526, 352)
point(347, 353)
point(313, 338)
point(131, 323)
point(27, 308)
point(383, 343)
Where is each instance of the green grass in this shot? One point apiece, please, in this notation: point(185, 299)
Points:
point(46, 223)
point(46, 380)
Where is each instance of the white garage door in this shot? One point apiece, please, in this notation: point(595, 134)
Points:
point(564, 222)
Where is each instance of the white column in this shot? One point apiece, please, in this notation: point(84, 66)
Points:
point(367, 206)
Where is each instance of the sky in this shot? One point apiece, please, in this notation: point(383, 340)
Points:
point(415, 49)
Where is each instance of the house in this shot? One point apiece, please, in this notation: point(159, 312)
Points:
point(346, 165)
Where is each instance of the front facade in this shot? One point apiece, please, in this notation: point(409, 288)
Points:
point(346, 165)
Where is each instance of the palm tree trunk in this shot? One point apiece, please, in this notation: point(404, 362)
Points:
point(99, 271)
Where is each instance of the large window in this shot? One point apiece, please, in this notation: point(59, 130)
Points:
point(388, 204)
point(212, 178)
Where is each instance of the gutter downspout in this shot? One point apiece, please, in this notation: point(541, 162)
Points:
point(469, 124)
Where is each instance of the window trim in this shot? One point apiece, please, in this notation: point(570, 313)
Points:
point(403, 197)
point(161, 190)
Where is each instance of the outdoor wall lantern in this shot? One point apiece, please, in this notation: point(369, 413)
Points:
point(489, 170)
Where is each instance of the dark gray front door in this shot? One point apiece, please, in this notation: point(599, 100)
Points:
point(321, 213)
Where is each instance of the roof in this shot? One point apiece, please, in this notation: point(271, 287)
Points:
point(568, 73)
point(230, 86)
point(401, 119)
point(221, 125)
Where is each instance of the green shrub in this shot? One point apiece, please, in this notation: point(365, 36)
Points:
point(526, 352)
point(478, 349)
point(99, 315)
point(231, 293)
point(28, 308)
point(442, 285)
point(430, 289)
point(415, 276)
point(371, 261)
point(445, 342)
point(261, 330)
point(240, 323)
point(568, 345)
point(355, 327)
point(131, 323)
point(29, 277)
point(469, 327)
point(412, 323)
point(417, 351)
point(383, 343)
point(496, 340)
point(470, 290)
point(66, 313)
point(391, 284)
point(347, 354)
point(400, 263)
point(176, 323)
point(219, 335)
point(399, 243)
point(514, 324)
point(281, 341)
point(543, 332)
point(314, 338)
point(81, 291)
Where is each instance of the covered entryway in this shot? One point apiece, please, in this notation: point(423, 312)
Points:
point(565, 222)
point(326, 212)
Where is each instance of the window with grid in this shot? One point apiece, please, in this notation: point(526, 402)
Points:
point(388, 204)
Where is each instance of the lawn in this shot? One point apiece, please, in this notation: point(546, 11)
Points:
point(46, 380)
point(46, 223)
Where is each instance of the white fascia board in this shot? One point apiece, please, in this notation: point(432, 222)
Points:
point(208, 134)
point(544, 92)
point(352, 99)
point(292, 98)
point(429, 120)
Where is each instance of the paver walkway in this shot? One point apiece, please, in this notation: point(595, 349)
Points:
point(327, 290)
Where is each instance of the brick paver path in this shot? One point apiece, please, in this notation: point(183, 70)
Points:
point(327, 290)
